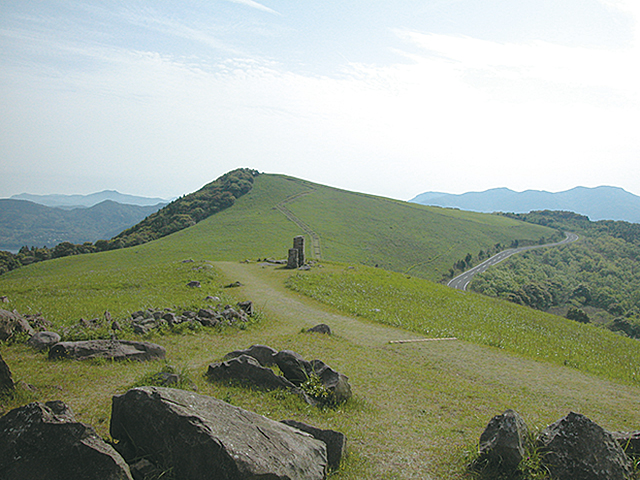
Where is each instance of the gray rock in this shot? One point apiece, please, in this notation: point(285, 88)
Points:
point(194, 284)
point(320, 328)
point(110, 349)
point(336, 442)
point(43, 340)
point(337, 383)
point(12, 323)
point(502, 444)
point(247, 369)
point(201, 437)
point(263, 354)
point(246, 307)
point(575, 447)
point(43, 441)
point(6, 381)
point(295, 368)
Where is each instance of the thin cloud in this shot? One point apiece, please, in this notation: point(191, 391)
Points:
point(256, 5)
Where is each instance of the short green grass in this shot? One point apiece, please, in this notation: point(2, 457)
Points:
point(434, 310)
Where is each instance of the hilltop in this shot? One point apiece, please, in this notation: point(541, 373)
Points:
point(599, 203)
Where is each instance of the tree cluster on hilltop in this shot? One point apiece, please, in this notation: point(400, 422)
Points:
point(593, 280)
point(177, 215)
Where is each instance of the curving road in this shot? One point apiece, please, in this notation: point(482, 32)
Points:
point(462, 281)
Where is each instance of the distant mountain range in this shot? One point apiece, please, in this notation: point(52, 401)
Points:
point(27, 223)
point(75, 201)
point(599, 203)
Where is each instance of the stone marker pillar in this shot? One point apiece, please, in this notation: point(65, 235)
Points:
point(292, 261)
point(298, 244)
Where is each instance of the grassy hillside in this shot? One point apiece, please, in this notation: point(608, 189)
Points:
point(417, 407)
point(352, 227)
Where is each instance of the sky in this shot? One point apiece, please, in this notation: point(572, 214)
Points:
point(392, 98)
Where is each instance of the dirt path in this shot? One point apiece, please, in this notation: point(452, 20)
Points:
point(425, 402)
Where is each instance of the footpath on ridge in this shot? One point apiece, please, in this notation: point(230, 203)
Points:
point(315, 238)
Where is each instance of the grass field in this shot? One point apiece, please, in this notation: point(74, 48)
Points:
point(418, 409)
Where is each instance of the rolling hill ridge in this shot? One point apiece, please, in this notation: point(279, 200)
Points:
point(599, 203)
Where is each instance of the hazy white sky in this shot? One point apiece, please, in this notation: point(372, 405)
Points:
point(387, 97)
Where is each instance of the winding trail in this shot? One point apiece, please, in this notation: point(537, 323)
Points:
point(315, 238)
point(462, 281)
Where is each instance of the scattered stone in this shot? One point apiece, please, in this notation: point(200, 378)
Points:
point(201, 437)
point(111, 349)
point(629, 441)
point(187, 260)
point(212, 299)
point(43, 340)
point(246, 307)
point(233, 285)
point(336, 442)
point(248, 370)
point(263, 354)
point(38, 322)
point(305, 268)
point(115, 326)
point(4, 299)
point(166, 379)
point(12, 323)
point(577, 448)
point(502, 444)
point(39, 441)
point(320, 328)
point(6, 381)
point(194, 284)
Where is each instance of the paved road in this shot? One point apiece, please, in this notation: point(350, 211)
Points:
point(462, 281)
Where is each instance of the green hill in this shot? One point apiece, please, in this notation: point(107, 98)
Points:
point(350, 227)
point(418, 407)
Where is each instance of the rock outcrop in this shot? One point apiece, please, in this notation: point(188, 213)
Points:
point(201, 437)
point(247, 370)
point(314, 381)
point(44, 441)
point(12, 323)
point(577, 448)
point(108, 349)
point(502, 444)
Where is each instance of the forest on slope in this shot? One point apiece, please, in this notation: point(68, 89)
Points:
point(595, 280)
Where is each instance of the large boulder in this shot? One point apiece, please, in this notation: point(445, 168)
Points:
point(43, 441)
point(200, 437)
point(336, 442)
point(109, 349)
point(248, 370)
point(12, 323)
point(6, 381)
point(502, 444)
point(575, 447)
point(263, 354)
